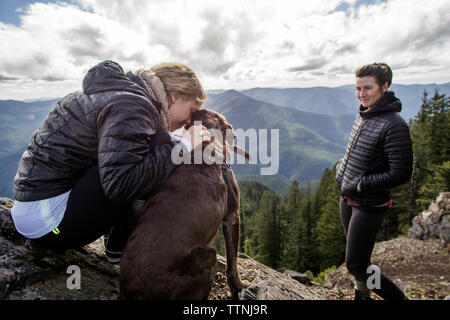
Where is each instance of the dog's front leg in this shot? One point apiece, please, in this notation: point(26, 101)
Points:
point(231, 235)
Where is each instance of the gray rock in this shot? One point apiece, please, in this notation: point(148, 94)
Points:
point(433, 222)
point(6, 223)
point(29, 272)
point(417, 230)
point(269, 284)
point(340, 279)
point(300, 277)
point(444, 234)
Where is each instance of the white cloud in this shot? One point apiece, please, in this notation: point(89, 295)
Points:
point(231, 44)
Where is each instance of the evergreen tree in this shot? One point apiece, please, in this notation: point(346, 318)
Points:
point(289, 221)
point(250, 197)
point(430, 133)
point(440, 130)
point(306, 257)
point(329, 234)
point(436, 182)
point(268, 230)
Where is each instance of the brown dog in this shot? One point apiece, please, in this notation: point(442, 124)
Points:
point(167, 255)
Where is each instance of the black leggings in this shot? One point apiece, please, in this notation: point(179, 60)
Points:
point(88, 216)
point(361, 225)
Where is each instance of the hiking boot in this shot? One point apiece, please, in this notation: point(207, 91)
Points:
point(359, 295)
point(113, 251)
point(116, 240)
point(113, 257)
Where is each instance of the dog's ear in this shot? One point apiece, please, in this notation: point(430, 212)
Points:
point(229, 134)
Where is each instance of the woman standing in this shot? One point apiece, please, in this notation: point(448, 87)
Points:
point(99, 150)
point(378, 158)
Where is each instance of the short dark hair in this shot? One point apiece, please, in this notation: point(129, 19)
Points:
point(381, 71)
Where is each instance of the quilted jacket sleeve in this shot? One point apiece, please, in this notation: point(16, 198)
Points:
point(130, 165)
point(399, 158)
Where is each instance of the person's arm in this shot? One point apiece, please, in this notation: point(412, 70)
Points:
point(399, 155)
point(129, 166)
point(338, 164)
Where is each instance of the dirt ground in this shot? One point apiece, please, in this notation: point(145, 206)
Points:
point(420, 268)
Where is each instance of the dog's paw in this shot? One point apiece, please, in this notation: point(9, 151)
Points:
point(238, 284)
point(242, 285)
point(245, 284)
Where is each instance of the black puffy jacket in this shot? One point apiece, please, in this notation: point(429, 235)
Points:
point(113, 122)
point(379, 153)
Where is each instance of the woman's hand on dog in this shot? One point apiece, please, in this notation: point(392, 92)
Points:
point(197, 134)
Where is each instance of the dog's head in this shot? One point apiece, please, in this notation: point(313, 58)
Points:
point(219, 128)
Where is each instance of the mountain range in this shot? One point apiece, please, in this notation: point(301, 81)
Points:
point(18, 121)
point(342, 100)
point(313, 123)
point(308, 142)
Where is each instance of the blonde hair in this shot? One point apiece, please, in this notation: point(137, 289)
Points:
point(180, 81)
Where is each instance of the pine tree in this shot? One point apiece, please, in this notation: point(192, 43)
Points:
point(289, 221)
point(268, 230)
point(306, 250)
point(250, 197)
point(329, 234)
point(436, 182)
point(430, 133)
point(440, 135)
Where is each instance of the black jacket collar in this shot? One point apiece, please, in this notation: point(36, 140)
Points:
point(387, 103)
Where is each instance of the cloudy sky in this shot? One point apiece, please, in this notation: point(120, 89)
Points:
point(47, 46)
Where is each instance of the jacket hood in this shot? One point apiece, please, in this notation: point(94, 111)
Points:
point(387, 103)
point(109, 76)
